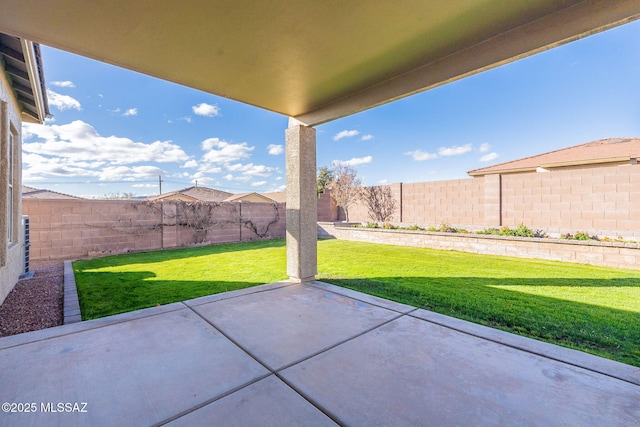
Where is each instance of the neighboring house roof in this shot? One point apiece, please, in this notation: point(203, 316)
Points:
point(193, 194)
point(37, 193)
point(278, 196)
point(249, 197)
point(610, 150)
point(23, 64)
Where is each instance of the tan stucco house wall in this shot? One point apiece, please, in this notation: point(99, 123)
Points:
point(11, 235)
point(22, 98)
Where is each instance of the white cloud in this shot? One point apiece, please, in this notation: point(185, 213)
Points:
point(38, 167)
point(489, 157)
point(200, 178)
point(241, 178)
point(65, 83)
point(126, 173)
point(144, 185)
point(78, 141)
point(210, 169)
point(366, 137)
point(77, 149)
point(190, 164)
point(62, 102)
point(207, 110)
point(345, 134)
point(131, 112)
point(252, 170)
point(259, 183)
point(218, 151)
point(420, 155)
point(383, 181)
point(484, 147)
point(356, 161)
point(205, 180)
point(275, 149)
point(454, 150)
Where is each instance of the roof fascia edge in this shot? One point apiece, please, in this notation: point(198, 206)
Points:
point(480, 172)
point(33, 70)
point(586, 162)
point(572, 23)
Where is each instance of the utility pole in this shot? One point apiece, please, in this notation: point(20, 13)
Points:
point(160, 184)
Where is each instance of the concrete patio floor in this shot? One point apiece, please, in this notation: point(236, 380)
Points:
point(314, 354)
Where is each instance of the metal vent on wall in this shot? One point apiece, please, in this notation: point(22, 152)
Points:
point(26, 274)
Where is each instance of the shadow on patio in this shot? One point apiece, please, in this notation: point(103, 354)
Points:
point(312, 354)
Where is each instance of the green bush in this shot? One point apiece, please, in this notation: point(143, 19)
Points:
point(580, 235)
point(415, 228)
point(521, 231)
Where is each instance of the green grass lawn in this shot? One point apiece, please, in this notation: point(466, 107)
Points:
point(593, 309)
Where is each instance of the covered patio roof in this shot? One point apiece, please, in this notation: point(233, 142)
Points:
point(314, 61)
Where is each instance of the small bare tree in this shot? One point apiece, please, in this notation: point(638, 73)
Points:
point(380, 203)
point(345, 187)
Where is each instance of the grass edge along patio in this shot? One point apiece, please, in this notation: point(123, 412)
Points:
point(588, 308)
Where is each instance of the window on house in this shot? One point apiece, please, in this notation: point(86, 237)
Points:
point(4, 179)
point(11, 188)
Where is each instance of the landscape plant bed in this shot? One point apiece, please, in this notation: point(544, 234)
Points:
point(589, 308)
point(604, 253)
point(521, 231)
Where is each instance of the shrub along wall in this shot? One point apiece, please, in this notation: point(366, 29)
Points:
point(73, 229)
point(609, 254)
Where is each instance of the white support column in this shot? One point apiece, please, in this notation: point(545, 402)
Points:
point(302, 202)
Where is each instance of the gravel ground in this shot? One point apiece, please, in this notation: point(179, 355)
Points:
point(35, 303)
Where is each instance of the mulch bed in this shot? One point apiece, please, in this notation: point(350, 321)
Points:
point(35, 303)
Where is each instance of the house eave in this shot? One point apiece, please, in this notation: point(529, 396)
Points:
point(33, 65)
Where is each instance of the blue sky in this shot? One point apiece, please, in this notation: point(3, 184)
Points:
point(115, 130)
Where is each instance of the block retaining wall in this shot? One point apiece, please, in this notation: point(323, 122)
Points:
point(608, 254)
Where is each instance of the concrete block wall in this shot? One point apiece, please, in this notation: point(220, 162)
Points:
point(263, 221)
point(455, 202)
point(327, 209)
point(601, 200)
point(218, 223)
point(73, 229)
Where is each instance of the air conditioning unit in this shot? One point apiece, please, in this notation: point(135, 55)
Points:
point(25, 226)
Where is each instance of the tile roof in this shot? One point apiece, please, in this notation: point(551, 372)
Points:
point(610, 150)
point(278, 196)
point(249, 197)
point(37, 193)
point(202, 194)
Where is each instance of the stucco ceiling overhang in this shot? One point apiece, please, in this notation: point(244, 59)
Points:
point(312, 60)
